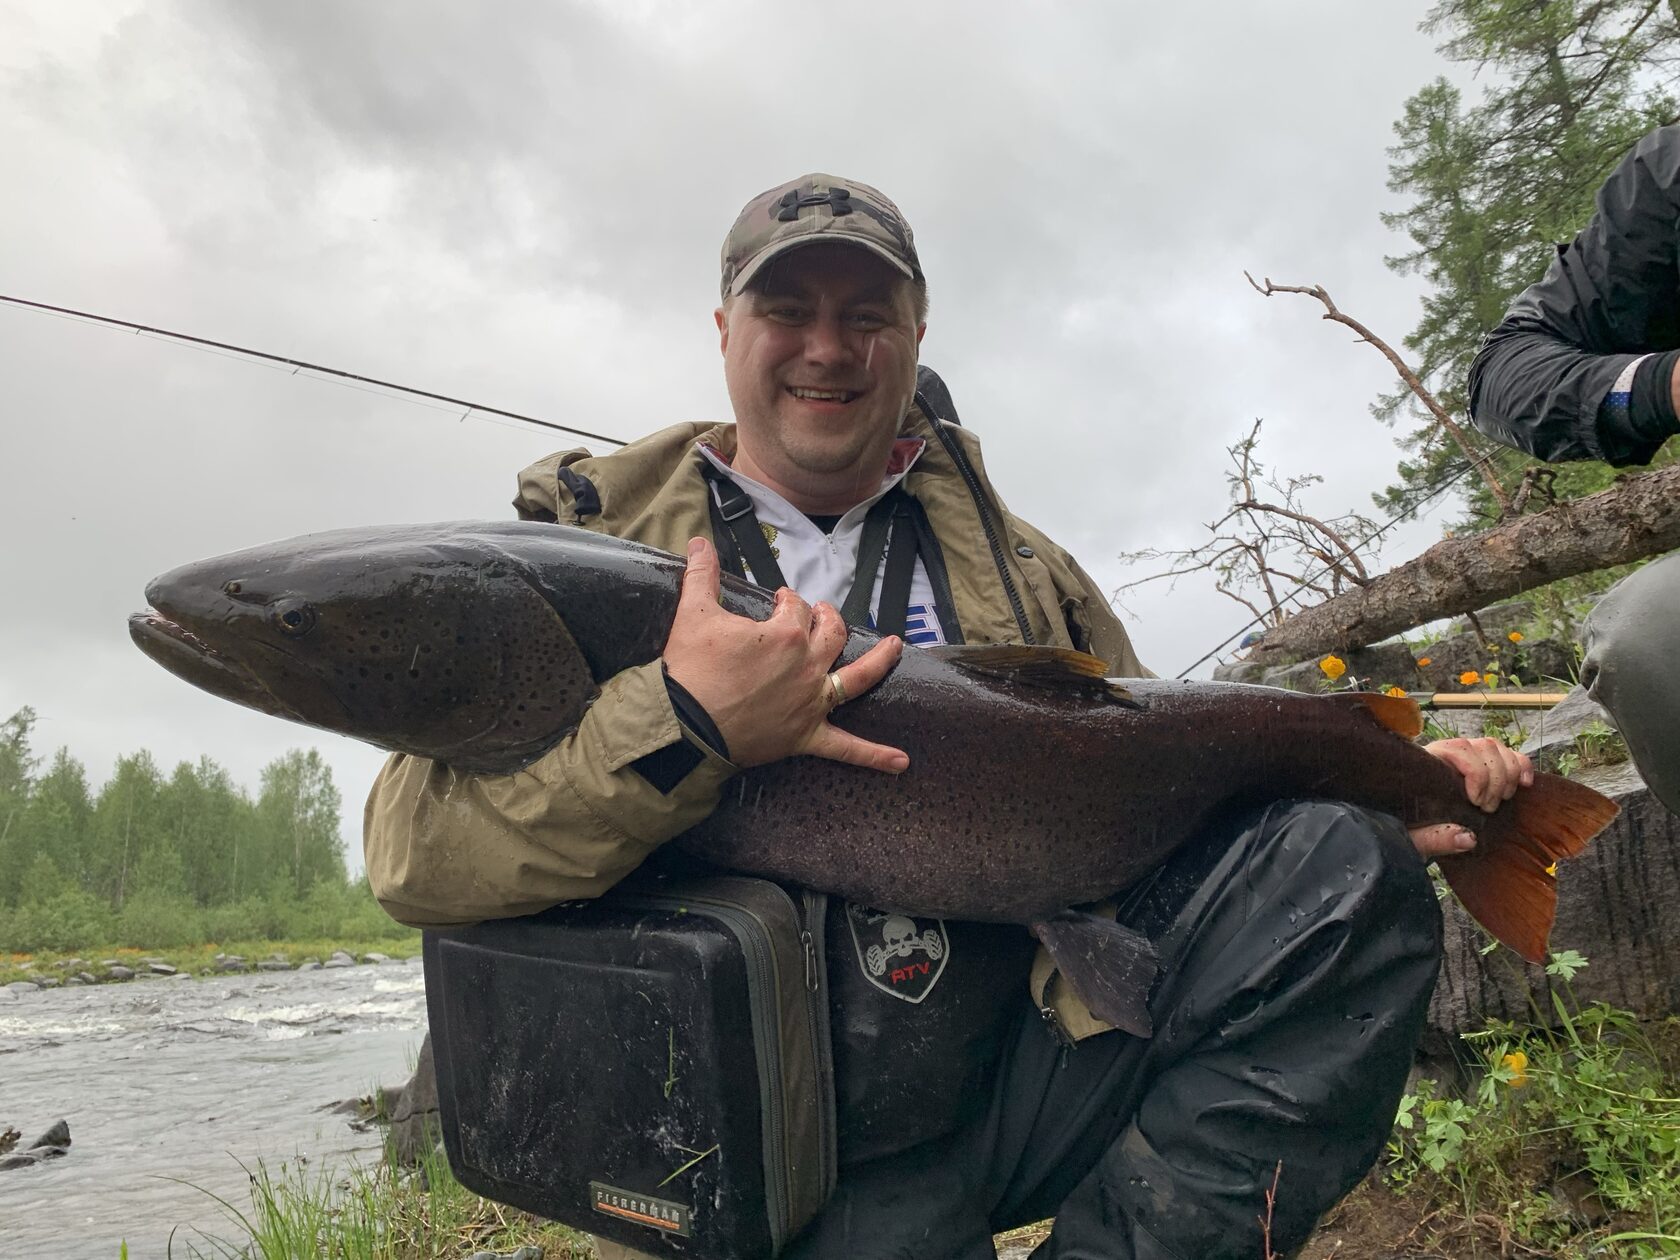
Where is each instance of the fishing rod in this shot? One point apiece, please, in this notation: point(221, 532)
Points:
point(303, 365)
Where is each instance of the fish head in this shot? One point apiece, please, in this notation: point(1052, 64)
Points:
point(414, 639)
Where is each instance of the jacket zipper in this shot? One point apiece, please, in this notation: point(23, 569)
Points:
point(960, 458)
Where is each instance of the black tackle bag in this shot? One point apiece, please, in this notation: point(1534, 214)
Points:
point(652, 1067)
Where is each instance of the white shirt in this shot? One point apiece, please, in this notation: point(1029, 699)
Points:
point(821, 566)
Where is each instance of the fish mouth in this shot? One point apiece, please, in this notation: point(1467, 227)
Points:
point(190, 658)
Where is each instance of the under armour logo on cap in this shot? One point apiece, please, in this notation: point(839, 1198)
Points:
point(811, 210)
point(839, 200)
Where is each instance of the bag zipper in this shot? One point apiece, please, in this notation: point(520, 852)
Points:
point(815, 906)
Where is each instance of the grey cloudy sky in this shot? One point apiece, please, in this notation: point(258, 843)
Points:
point(522, 203)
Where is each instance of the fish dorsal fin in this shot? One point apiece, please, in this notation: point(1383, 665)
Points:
point(1399, 714)
point(1054, 668)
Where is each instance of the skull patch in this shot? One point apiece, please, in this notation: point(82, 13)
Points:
point(899, 954)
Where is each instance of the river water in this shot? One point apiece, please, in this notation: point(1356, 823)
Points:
point(173, 1081)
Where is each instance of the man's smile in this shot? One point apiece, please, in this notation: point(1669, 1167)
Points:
point(805, 394)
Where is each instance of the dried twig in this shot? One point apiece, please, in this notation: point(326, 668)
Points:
point(1451, 426)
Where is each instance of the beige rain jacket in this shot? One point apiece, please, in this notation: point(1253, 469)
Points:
point(447, 848)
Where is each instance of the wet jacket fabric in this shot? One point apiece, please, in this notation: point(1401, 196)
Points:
point(1554, 378)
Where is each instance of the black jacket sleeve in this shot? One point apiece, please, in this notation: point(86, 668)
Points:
point(1541, 379)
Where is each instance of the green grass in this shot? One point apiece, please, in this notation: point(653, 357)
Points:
point(378, 1213)
point(200, 959)
point(1569, 1143)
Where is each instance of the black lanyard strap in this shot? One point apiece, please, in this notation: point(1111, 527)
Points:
point(734, 511)
point(889, 532)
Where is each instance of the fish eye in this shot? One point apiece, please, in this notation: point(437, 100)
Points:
point(232, 588)
point(295, 620)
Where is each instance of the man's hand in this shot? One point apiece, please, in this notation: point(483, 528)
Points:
point(1493, 771)
point(765, 683)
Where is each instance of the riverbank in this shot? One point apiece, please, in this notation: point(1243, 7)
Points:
point(106, 964)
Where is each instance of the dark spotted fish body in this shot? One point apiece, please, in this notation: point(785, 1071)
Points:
point(1034, 783)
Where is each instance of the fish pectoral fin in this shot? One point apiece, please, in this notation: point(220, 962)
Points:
point(1039, 666)
point(1399, 714)
point(1111, 967)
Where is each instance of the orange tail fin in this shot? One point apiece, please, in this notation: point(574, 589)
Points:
point(1508, 882)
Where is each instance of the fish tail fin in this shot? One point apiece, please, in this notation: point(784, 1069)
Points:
point(1508, 882)
point(1110, 966)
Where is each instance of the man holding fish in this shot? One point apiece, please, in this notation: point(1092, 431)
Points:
point(1297, 945)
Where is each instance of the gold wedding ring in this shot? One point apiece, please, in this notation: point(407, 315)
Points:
point(835, 690)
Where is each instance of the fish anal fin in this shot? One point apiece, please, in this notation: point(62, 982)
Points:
point(1508, 882)
point(1037, 666)
point(1399, 714)
point(1110, 967)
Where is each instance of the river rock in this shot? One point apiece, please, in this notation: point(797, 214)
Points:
point(50, 1145)
point(87, 977)
point(116, 971)
point(376, 958)
point(272, 964)
point(339, 959)
point(110, 962)
point(310, 965)
point(230, 962)
point(1556, 735)
point(1613, 906)
point(28, 965)
point(49, 982)
point(1239, 672)
point(69, 964)
point(415, 1126)
point(21, 987)
point(74, 982)
point(160, 968)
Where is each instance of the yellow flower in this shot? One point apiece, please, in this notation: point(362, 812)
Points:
point(1552, 870)
point(1424, 660)
point(1517, 1063)
point(1469, 678)
point(1516, 636)
point(1333, 666)
point(1395, 691)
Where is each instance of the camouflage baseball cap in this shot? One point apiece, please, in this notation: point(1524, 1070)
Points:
point(811, 210)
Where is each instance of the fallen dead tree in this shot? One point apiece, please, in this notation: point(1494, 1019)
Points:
point(1638, 516)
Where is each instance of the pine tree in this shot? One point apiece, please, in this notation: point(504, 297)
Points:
point(1572, 84)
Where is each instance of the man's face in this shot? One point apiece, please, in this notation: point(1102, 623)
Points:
point(820, 361)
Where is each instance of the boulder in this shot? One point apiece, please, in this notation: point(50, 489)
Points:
point(116, 971)
point(87, 977)
point(1613, 907)
point(230, 963)
point(339, 959)
point(272, 964)
point(1239, 672)
point(1562, 724)
point(376, 958)
point(160, 968)
point(69, 964)
point(415, 1127)
point(311, 965)
point(52, 1144)
point(22, 987)
point(49, 982)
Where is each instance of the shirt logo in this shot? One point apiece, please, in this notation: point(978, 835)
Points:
point(898, 953)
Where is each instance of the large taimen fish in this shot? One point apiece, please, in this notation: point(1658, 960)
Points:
point(1034, 783)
